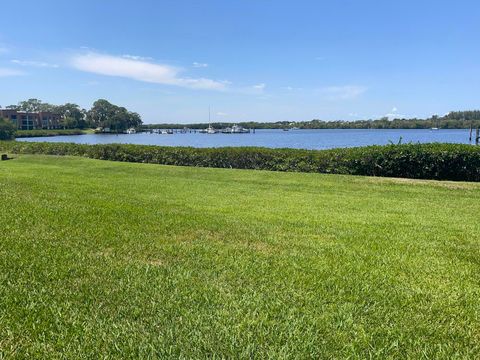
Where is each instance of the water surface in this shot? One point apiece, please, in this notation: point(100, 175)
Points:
point(302, 139)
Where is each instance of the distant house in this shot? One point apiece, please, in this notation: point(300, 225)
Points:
point(32, 120)
point(100, 129)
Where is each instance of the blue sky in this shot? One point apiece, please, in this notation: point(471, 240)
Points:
point(260, 60)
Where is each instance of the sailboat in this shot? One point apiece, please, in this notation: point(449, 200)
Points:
point(210, 129)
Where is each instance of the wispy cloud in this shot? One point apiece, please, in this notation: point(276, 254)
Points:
point(199, 65)
point(346, 92)
point(291, 88)
point(140, 70)
point(33, 63)
point(393, 114)
point(4, 50)
point(137, 57)
point(4, 72)
point(259, 86)
point(255, 89)
point(219, 113)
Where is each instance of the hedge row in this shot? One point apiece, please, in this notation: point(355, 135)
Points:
point(459, 162)
point(52, 132)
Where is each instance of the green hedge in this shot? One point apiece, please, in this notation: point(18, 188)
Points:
point(419, 161)
point(52, 132)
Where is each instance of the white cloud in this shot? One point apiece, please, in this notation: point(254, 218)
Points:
point(393, 114)
point(219, 113)
point(4, 50)
point(33, 63)
point(199, 65)
point(257, 89)
point(291, 88)
point(346, 92)
point(4, 72)
point(140, 70)
point(136, 57)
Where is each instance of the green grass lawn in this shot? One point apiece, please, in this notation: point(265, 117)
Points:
point(101, 259)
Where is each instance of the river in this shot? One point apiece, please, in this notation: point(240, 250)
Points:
point(302, 139)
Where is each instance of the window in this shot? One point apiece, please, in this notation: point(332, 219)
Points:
point(27, 123)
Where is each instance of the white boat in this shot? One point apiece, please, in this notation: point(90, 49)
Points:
point(237, 129)
point(211, 130)
point(434, 128)
point(131, 131)
point(164, 132)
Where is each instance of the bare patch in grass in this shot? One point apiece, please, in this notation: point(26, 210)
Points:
point(155, 262)
point(106, 252)
point(454, 185)
point(262, 247)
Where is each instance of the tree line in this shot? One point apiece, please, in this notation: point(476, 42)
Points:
point(107, 115)
point(452, 120)
point(102, 114)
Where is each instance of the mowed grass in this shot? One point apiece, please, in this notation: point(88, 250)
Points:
point(117, 260)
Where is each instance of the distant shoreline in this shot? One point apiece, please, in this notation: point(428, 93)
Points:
point(49, 133)
point(454, 120)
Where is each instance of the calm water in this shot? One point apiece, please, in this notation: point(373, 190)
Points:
point(304, 139)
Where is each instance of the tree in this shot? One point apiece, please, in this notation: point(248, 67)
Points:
point(100, 112)
point(69, 123)
point(7, 130)
point(30, 105)
point(73, 116)
point(35, 105)
point(107, 115)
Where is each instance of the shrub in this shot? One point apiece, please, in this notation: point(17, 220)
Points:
point(459, 162)
point(7, 130)
point(52, 132)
